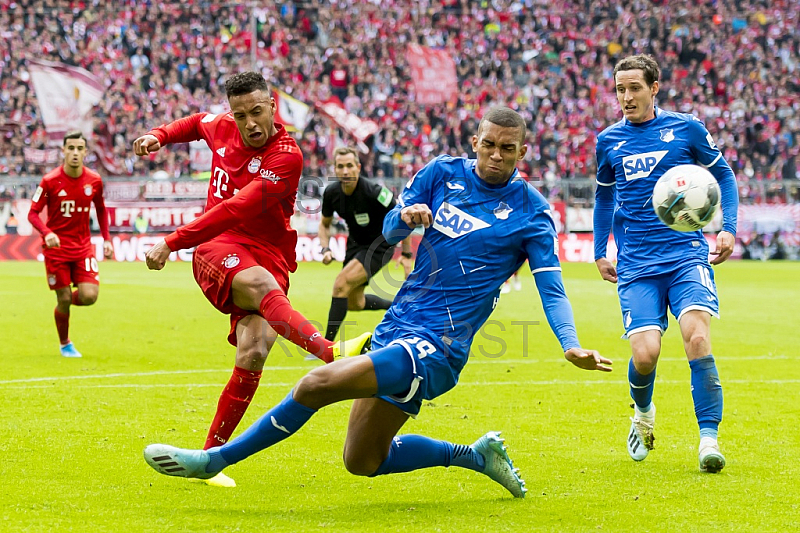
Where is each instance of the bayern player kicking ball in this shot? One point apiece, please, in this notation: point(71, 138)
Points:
point(245, 244)
point(482, 222)
point(68, 193)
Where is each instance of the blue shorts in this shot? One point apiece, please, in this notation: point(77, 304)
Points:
point(436, 362)
point(644, 301)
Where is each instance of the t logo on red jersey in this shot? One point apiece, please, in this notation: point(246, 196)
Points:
point(67, 207)
point(220, 183)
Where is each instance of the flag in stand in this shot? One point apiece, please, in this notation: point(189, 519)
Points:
point(290, 112)
point(66, 96)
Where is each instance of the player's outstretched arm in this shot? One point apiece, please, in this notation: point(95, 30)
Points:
point(588, 359)
point(146, 144)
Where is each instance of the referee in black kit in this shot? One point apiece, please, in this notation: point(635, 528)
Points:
point(362, 204)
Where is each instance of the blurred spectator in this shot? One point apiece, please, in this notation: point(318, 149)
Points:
point(734, 63)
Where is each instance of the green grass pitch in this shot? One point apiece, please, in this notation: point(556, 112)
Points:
point(155, 360)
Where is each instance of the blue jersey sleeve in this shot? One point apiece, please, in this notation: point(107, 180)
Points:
point(605, 174)
point(416, 191)
point(541, 241)
point(557, 308)
point(707, 154)
point(541, 246)
point(603, 202)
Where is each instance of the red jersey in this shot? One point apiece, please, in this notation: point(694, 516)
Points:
point(252, 191)
point(68, 202)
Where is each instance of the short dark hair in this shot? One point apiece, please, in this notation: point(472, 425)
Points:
point(74, 134)
point(345, 150)
point(245, 83)
point(643, 62)
point(506, 118)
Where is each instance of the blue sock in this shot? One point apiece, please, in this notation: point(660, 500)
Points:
point(412, 452)
point(641, 387)
point(279, 423)
point(706, 393)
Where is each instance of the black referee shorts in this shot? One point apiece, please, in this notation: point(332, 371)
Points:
point(373, 259)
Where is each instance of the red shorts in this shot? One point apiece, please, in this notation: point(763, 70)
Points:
point(216, 263)
point(62, 273)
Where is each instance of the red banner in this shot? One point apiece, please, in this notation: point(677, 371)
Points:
point(176, 189)
point(122, 191)
point(161, 216)
point(433, 73)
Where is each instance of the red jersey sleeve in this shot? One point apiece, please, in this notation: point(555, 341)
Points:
point(38, 202)
point(102, 214)
point(256, 197)
point(183, 130)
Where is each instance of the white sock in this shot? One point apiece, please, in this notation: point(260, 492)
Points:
point(649, 415)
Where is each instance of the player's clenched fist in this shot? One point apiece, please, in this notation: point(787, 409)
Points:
point(51, 240)
point(417, 215)
point(146, 144)
point(156, 257)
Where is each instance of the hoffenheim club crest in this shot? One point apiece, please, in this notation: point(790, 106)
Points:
point(666, 135)
point(502, 211)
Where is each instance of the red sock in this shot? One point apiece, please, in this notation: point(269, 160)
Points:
point(232, 404)
point(75, 299)
point(276, 309)
point(62, 325)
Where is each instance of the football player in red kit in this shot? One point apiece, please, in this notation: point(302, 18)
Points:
point(68, 193)
point(245, 245)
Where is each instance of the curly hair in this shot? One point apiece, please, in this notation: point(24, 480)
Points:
point(245, 83)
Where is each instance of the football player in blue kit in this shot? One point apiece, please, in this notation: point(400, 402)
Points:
point(658, 267)
point(482, 222)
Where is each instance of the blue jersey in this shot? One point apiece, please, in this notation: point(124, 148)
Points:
point(631, 157)
point(481, 235)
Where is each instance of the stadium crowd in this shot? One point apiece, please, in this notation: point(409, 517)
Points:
point(734, 63)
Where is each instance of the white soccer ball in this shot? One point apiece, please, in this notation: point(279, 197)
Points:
point(686, 197)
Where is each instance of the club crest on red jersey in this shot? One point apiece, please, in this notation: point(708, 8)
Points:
point(254, 165)
point(231, 261)
point(87, 190)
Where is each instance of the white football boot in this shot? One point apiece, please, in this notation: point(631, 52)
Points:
point(640, 436)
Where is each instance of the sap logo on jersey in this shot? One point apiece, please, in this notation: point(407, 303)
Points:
point(454, 222)
point(641, 165)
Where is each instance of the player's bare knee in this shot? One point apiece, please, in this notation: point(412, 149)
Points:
point(361, 464)
point(87, 299)
point(63, 301)
point(312, 386)
point(341, 289)
point(698, 344)
point(645, 359)
point(251, 355)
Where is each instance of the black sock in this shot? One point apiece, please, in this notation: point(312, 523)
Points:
point(373, 303)
point(336, 317)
